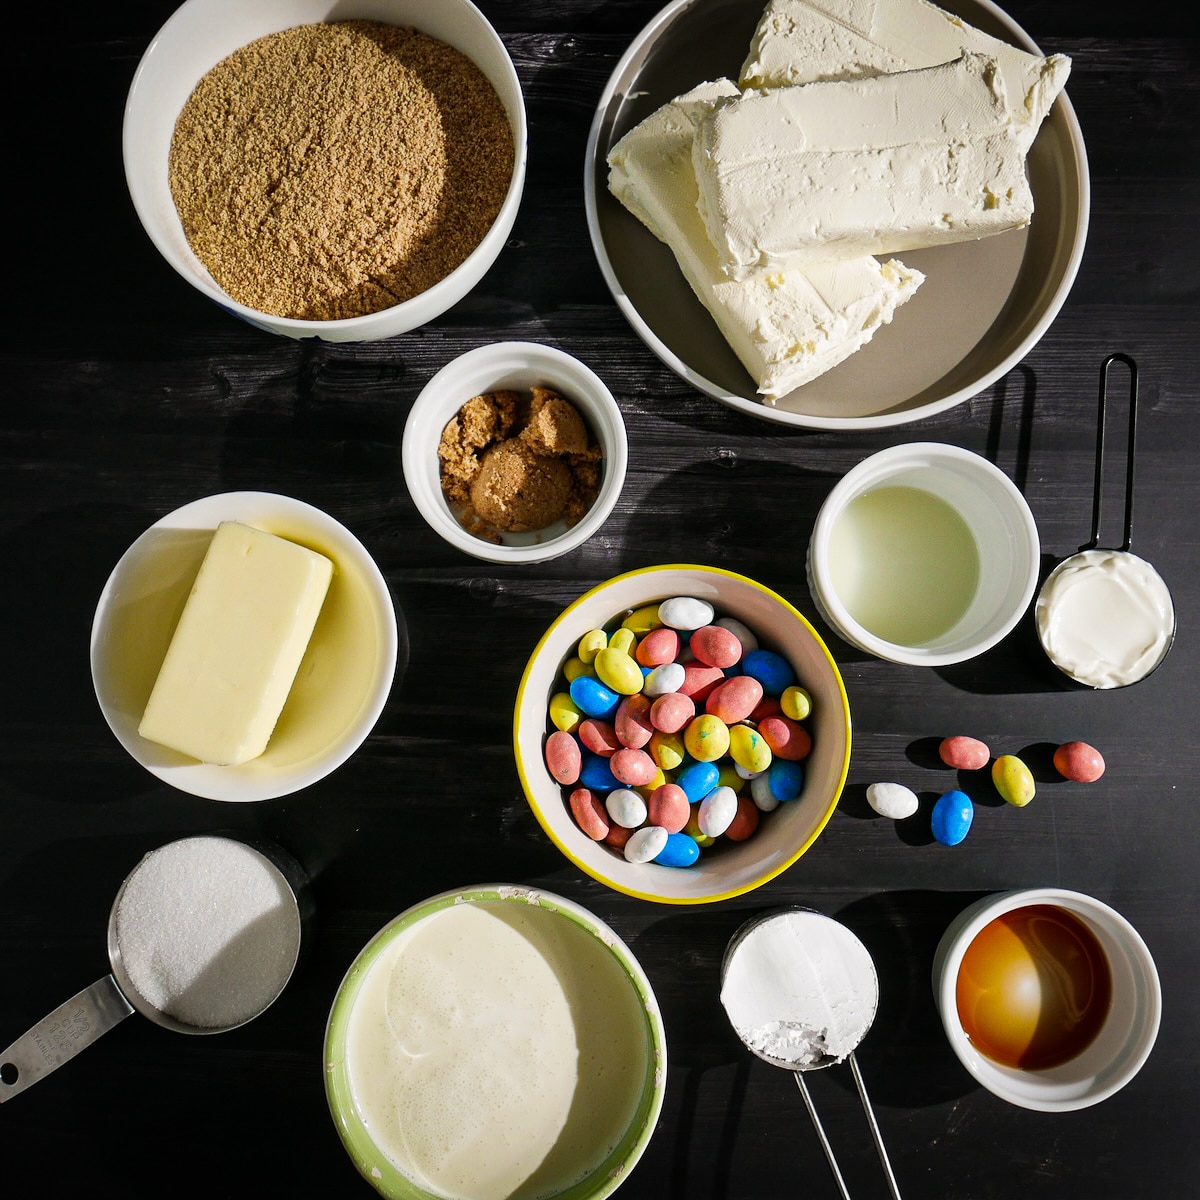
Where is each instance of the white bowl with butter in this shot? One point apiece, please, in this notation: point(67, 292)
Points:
point(344, 677)
point(495, 1042)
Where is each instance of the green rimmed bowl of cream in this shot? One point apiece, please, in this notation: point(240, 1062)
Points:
point(495, 1042)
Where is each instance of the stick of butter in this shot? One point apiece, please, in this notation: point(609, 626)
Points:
point(238, 645)
point(799, 41)
point(786, 327)
point(794, 175)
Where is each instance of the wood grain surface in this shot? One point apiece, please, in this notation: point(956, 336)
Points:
point(127, 395)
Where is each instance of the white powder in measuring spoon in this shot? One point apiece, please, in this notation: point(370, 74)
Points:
point(800, 988)
point(208, 931)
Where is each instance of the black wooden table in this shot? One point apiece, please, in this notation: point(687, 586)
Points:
point(127, 395)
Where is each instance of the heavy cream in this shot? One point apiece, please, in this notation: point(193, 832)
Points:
point(790, 176)
point(1105, 618)
point(799, 41)
point(496, 1051)
point(786, 327)
point(800, 989)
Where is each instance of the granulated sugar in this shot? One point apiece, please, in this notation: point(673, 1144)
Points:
point(208, 931)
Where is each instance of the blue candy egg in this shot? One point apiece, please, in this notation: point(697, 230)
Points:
point(680, 851)
point(593, 697)
point(698, 779)
point(785, 779)
point(595, 773)
point(951, 818)
point(772, 670)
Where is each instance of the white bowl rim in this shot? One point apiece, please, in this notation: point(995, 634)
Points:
point(845, 488)
point(225, 783)
point(512, 356)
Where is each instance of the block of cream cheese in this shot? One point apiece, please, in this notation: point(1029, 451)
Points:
point(793, 175)
point(799, 41)
point(240, 639)
point(786, 327)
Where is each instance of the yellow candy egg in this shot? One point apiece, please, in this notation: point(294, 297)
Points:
point(642, 620)
point(666, 749)
point(729, 777)
point(692, 829)
point(575, 668)
point(706, 738)
point(749, 748)
point(619, 671)
point(591, 644)
point(1013, 780)
point(564, 712)
point(796, 703)
point(623, 640)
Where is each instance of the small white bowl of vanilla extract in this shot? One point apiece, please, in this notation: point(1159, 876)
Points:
point(1049, 997)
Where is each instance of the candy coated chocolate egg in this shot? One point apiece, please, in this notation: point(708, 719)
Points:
point(746, 821)
point(661, 680)
point(699, 679)
point(590, 814)
point(623, 640)
point(735, 699)
point(657, 647)
point(698, 779)
point(795, 702)
point(678, 851)
point(749, 749)
point(668, 806)
point(632, 767)
point(667, 750)
point(787, 738)
point(892, 800)
point(706, 738)
point(717, 811)
point(632, 721)
point(785, 778)
point(772, 670)
point(596, 774)
point(593, 697)
point(619, 671)
point(685, 612)
point(951, 818)
point(642, 620)
point(564, 712)
point(563, 758)
point(741, 631)
point(599, 737)
point(625, 807)
point(591, 644)
point(1013, 780)
point(763, 794)
point(670, 712)
point(964, 753)
point(646, 844)
point(716, 646)
point(1079, 762)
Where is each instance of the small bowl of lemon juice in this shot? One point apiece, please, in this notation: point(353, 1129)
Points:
point(925, 554)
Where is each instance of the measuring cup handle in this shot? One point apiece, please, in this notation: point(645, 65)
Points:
point(61, 1035)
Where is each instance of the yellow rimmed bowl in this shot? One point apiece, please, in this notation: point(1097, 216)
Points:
point(724, 870)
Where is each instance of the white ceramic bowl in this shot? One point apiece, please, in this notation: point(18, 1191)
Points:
point(622, 1038)
point(999, 521)
point(1124, 1041)
point(203, 32)
point(517, 366)
point(784, 834)
point(343, 681)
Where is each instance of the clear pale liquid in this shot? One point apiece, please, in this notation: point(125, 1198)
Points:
point(904, 563)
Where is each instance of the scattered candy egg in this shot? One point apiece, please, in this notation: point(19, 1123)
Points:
point(1013, 780)
point(717, 811)
point(964, 753)
point(893, 800)
point(646, 844)
point(679, 850)
point(590, 814)
point(626, 807)
point(685, 612)
point(951, 818)
point(1079, 762)
point(563, 758)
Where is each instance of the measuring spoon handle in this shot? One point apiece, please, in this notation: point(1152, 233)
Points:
point(61, 1035)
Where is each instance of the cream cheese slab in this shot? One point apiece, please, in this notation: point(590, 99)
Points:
point(790, 176)
point(801, 41)
point(234, 655)
point(786, 327)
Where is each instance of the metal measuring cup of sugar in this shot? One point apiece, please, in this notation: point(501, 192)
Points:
point(276, 881)
point(1105, 617)
point(801, 992)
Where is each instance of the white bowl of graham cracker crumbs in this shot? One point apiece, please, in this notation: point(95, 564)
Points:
point(345, 170)
point(515, 452)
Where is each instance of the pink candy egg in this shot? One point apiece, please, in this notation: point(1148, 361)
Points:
point(632, 721)
point(590, 814)
point(716, 646)
point(1079, 762)
point(668, 806)
point(787, 738)
point(563, 759)
point(599, 737)
point(699, 679)
point(657, 647)
point(964, 753)
point(735, 699)
point(671, 712)
point(634, 768)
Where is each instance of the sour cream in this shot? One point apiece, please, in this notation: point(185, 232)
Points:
point(1105, 618)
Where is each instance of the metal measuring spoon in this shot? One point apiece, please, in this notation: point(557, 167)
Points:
point(1105, 618)
point(92, 1012)
point(801, 992)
